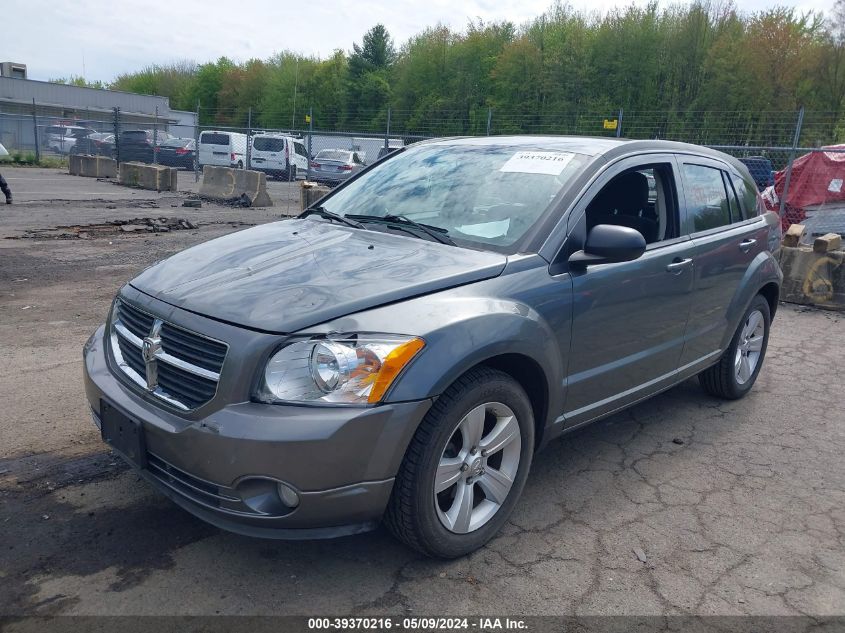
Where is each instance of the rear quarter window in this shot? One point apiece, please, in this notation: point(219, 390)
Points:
point(746, 191)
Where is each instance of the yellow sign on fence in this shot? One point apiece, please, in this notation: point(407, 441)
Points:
point(610, 124)
point(308, 118)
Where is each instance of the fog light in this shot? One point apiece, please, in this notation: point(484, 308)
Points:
point(288, 495)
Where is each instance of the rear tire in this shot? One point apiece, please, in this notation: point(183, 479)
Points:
point(427, 509)
point(737, 370)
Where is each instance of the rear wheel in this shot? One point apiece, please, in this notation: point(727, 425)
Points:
point(465, 467)
point(240, 164)
point(737, 370)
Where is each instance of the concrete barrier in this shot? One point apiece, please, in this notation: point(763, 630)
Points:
point(811, 278)
point(310, 192)
point(92, 166)
point(227, 184)
point(143, 176)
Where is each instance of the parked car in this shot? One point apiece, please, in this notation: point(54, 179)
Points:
point(178, 152)
point(62, 138)
point(402, 351)
point(223, 149)
point(279, 155)
point(140, 145)
point(761, 169)
point(332, 166)
point(95, 144)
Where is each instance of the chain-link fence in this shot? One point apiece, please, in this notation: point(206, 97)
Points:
point(781, 148)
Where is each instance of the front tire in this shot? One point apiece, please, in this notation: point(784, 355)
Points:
point(737, 370)
point(465, 466)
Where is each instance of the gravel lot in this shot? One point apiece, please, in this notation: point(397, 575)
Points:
point(733, 507)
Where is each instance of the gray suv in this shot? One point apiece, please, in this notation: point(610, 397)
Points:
point(402, 351)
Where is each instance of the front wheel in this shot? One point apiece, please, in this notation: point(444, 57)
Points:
point(465, 467)
point(737, 370)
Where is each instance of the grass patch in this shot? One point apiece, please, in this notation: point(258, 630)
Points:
point(19, 158)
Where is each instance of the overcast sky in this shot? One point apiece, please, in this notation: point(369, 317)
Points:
point(104, 38)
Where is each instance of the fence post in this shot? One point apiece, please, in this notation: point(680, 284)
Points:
point(619, 125)
point(310, 130)
point(248, 138)
point(117, 135)
point(197, 143)
point(795, 141)
point(155, 138)
point(35, 132)
point(489, 119)
point(387, 132)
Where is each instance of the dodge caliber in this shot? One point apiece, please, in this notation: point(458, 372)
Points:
point(402, 350)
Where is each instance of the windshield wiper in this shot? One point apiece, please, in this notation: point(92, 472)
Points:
point(401, 221)
point(328, 215)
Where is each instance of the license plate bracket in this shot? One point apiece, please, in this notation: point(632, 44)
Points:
point(123, 434)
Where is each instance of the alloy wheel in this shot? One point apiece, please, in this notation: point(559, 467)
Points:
point(750, 347)
point(477, 467)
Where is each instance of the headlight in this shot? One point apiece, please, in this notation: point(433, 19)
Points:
point(352, 370)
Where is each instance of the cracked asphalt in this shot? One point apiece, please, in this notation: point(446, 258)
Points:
point(682, 505)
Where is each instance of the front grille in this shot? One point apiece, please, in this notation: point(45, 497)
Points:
point(192, 348)
point(178, 366)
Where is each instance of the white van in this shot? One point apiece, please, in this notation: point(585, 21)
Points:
point(222, 149)
point(278, 155)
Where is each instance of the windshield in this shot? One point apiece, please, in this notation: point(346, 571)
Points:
point(334, 154)
point(482, 195)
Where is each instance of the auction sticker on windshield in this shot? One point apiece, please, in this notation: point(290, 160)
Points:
point(551, 163)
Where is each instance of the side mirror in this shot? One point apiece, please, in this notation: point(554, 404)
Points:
point(609, 243)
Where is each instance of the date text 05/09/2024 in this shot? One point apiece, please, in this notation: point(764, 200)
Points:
point(417, 624)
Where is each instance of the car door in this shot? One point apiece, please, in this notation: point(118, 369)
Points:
point(727, 235)
point(629, 318)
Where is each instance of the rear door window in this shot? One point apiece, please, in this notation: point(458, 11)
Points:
point(707, 200)
point(299, 148)
point(212, 138)
point(268, 144)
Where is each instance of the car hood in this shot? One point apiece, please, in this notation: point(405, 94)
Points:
point(285, 276)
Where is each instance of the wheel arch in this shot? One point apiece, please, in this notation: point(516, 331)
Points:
point(763, 277)
point(528, 373)
point(771, 292)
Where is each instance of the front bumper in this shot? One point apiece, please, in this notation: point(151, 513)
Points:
point(340, 460)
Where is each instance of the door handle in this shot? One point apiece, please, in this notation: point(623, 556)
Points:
point(745, 245)
point(678, 265)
